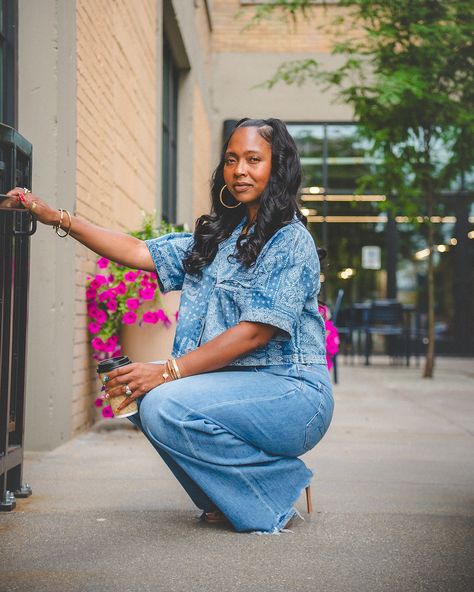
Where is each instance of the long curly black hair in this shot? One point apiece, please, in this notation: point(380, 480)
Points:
point(278, 202)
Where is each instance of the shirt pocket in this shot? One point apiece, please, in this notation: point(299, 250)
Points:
point(235, 284)
point(236, 277)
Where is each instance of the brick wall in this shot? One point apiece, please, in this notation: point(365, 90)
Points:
point(273, 35)
point(202, 163)
point(116, 145)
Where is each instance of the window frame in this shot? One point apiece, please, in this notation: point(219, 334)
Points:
point(9, 77)
point(169, 157)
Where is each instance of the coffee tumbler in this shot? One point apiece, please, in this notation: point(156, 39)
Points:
point(103, 369)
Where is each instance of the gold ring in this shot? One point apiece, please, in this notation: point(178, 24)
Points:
point(33, 205)
point(26, 190)
point(128, 390)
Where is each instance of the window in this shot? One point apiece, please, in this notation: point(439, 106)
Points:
point(169, 137)
point(8, 61)
point(334, 157)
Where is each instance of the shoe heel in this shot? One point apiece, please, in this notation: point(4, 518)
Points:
point(309, 500)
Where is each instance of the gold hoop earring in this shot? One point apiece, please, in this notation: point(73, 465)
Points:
point(222, 201)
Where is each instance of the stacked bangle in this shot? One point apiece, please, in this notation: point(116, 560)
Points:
point(59, 225)
point(171, 370)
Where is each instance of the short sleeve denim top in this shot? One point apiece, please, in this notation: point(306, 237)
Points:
point(280, 289)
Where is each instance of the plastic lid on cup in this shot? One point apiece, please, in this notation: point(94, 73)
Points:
point(112, 363)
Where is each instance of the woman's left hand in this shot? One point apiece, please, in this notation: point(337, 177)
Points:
point(139, 377)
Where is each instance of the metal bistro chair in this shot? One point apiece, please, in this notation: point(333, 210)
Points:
point(386, 317)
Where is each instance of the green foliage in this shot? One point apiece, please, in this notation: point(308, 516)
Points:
point(150, 229)
point(408, 73)
point(289, 10)
point(409, 78)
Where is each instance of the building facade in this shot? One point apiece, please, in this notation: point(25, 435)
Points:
point(126, 104)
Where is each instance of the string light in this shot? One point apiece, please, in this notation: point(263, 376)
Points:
point(347, 273)
point(336, 198)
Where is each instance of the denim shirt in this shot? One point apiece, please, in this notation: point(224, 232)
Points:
point(280, 289)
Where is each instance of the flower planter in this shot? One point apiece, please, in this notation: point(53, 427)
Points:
point(148, 343)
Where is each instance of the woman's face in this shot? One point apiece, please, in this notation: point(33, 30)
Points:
point(247, 165)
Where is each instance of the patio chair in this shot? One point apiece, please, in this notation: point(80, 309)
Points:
point(386, 317)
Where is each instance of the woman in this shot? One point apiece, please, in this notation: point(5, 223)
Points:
point(247, 391)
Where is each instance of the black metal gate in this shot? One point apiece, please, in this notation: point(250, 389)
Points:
point(16, 226)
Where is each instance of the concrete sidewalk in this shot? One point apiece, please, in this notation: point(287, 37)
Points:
point(393, 493)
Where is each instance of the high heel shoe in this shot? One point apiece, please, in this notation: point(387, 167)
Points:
point(214, 517)
point(309, 500)
point(217, 517)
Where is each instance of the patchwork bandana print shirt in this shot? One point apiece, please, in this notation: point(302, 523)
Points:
point(280, 289)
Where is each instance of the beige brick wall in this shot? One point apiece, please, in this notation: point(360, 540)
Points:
point(116, 145)
point(204, 35)
point(202, 163)
point(275, 34)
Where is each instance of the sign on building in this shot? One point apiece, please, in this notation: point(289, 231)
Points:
point(371, 257)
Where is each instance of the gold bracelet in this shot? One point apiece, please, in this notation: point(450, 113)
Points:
point(59, 226)
point(174, 363)
point(170, 370)
point(70, 222)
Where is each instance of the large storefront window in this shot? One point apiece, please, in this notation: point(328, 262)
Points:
point(334, 158)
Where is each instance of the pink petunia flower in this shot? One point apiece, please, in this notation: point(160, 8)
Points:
point(93, 328)
point(120, 288)
point(129, 318)
point(110, 278)
point(98, 281)
point(99, 402)
point(90, 293)
point(132, 303)
point(100, 316)
point(97, 344)
point(114, 339)
point(146, 293)
point(323, 311)
point(92, 310)
point(332, 335)
point(107, 412)
point(109, 346)
point(103, 263)
point(105, 295)
point(130, 276)
point(112, 305)
point(163, 317)
point(150, 317)
point(332, 339)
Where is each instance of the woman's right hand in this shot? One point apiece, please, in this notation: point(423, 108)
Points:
point(39, 208)
point(117, 246)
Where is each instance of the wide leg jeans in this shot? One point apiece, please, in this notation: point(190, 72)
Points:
point(232, 437)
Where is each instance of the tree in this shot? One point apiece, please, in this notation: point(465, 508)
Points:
point(408, 76)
